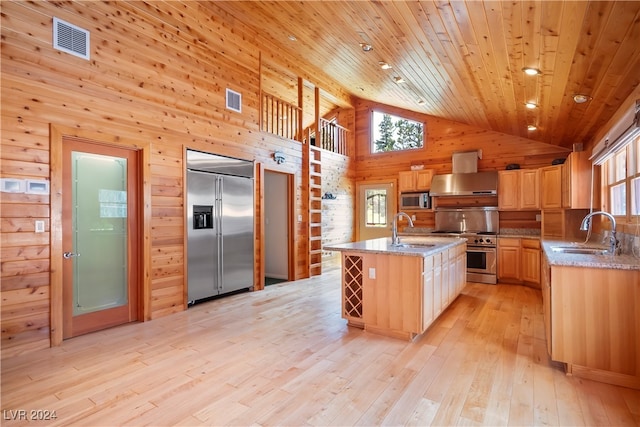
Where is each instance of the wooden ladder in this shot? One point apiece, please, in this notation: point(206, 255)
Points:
point(315, 210)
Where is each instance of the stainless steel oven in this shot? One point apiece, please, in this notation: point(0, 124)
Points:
point(481, 264)
point(480, 226)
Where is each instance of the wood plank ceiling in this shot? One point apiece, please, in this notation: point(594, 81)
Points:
point(463, 60)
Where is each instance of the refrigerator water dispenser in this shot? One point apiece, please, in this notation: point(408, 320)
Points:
point(202, 216)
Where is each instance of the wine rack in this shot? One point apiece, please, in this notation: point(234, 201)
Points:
point(352, 286)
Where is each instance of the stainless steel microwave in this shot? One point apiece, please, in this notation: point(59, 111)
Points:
point(420, 200)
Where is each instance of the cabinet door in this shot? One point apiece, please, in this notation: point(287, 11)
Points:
point(427, 293)
point(529, 189)
point(406, 181)
point(551, 187)
point(444, 294)
point(530, 262)
point(461, 267)
point(508, 190)
point(437, 285)
point(576, 181)
point(509, 255)
point(423, 179)
point(546, 302)
point(453, 275)
point(566, 183)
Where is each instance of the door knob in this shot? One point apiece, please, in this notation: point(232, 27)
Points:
point(68, 255)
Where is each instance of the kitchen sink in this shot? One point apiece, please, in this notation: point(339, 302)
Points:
point(585, 250)
point(414, 245)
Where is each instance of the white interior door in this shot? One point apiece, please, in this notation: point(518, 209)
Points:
point(376, 208)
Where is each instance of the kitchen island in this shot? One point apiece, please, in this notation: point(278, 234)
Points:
point(399, 290)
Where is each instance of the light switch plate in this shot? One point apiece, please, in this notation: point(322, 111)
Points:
point(39, 226)
point(372, 273)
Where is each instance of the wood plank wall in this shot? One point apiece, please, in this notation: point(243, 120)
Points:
point(338, 215)
point(157, 74)
point(445, 137)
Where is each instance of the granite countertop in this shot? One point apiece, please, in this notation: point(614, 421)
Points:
point(617, 262)
point(383, 246)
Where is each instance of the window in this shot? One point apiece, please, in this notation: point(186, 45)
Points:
point(376, 208)
point(622, 180)
point(393, 133)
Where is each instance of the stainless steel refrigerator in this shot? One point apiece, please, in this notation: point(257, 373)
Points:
point(220, 232)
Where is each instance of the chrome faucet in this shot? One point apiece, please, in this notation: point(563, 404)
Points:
point(394, 231)
point(586, 223)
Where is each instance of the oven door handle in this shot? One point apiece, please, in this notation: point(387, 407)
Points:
point(476, 249)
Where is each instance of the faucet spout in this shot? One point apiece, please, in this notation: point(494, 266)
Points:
point(394, 230)
point(586, 223)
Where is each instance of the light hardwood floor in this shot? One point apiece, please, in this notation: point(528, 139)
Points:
point(283, 356)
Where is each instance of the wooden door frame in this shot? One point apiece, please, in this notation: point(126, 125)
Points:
point(394, 184)
point(56, 134)
point(292, 241)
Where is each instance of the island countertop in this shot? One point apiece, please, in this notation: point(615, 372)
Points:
point(418, 246)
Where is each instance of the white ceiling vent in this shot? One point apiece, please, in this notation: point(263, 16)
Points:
point(70, 38)
point(234, 101)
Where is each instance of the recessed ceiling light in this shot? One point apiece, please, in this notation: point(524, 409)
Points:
point(532, 127)
point(531, 105)
point(398, 79)
point(384, 65)
point(421, 102)
point(292, 37)
point(366, 47)
point(531, 71)
point(579, 98)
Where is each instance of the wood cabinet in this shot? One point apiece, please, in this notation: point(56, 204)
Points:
point(400, 296)
point(519, 260)
point(509, 190)
point(519, 189)
point(419, 180)
point(530, 189)
point(545, 282)
point(551, 187)
point(530, 257)
point(568, 185)
point(592, 321)
point(509, 259)
point(576, 181)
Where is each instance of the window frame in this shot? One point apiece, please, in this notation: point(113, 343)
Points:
point(400, 116)
point(610, 179)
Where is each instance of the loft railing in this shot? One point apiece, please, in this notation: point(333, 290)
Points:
point(279, 117)
point(333, 137)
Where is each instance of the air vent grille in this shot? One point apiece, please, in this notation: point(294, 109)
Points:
point(70, 38)
point(234, 101)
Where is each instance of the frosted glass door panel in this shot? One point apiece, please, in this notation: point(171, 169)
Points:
point(99, 232)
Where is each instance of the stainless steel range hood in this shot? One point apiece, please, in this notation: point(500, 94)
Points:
point(465, 184)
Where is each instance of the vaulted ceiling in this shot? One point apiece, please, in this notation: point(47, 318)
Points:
point(464, 60)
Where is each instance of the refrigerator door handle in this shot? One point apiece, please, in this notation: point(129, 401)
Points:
point(220, 239)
